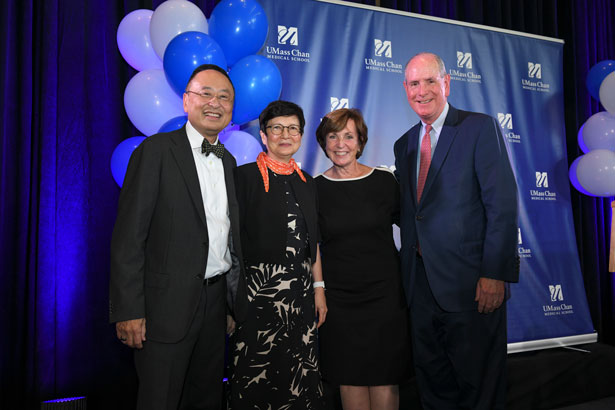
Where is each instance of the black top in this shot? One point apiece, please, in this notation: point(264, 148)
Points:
point(365, 339)
point(356, 218)
point(263, 214)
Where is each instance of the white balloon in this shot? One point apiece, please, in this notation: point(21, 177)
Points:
point(174, 17)
point(574, 179)
point(598, 132)
point(607, 93)
point(134, 41)
point(150, 101)
point(596, 172)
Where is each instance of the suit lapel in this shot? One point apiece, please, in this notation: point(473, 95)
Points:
point(447, 135)
point(235, 280)
point(228, 162)
point(185, 161)
point(413, 142)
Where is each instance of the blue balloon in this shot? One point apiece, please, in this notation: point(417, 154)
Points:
point(595, 76)
point(240, 27)
point(186, 52)
point(244, 147)
point(257, 82)
point(121, 156)
point(174, 124)
point(229, 128)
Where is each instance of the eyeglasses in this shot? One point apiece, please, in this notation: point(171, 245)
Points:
point(223, 97)
point(278, 129)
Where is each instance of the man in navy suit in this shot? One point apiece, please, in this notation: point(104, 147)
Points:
point(458, 230)
point(176, 254)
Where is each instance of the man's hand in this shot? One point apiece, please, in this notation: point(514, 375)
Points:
point(321, 305)
point(489, 294)
point(131, 332)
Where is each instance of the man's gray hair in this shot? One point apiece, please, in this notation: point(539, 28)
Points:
point(439, 61)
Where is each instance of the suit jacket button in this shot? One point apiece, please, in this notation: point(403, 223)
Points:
point(419, 217)
point(199, 276)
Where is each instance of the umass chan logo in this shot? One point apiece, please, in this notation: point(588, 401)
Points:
point(542, 193)
point(382, 48)
point(287, 48)
point(522, 251)
point(534, 81)
point(557, 306)
point(288, 35)
point(464, 70)
point(464, 60)
point(337, 103)
point(382, 60)
point(506, 122)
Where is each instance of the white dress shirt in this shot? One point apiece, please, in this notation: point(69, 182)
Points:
point(213, 191)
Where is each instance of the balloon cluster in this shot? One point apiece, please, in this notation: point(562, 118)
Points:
point(594, 173)
point(167, 44)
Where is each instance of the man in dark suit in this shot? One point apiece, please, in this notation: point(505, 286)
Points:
point(175, 252)
point(458, 230)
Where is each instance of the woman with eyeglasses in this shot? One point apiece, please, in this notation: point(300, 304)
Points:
point(364, 346)
point(274, 358)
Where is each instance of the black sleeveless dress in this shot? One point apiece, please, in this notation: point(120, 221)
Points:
point(365, 339)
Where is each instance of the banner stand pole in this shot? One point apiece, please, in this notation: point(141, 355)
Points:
point(612, 251)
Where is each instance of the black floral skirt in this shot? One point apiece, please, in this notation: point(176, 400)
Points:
point(274, 359)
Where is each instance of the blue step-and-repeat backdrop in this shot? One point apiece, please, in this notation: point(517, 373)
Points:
point(334, 54)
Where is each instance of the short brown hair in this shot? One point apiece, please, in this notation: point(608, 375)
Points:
point(336, 121)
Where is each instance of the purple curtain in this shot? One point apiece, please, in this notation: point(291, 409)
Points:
point(62, 81)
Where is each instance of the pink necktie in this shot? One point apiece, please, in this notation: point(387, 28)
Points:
point(425, 162)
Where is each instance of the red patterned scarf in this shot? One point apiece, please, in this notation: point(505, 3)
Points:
point(264, 161)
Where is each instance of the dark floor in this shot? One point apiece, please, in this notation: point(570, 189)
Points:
point(607, 403)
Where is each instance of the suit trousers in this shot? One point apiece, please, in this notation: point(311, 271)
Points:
point(459, 357)
point(188, 374)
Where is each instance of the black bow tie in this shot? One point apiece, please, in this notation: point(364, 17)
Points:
point(207, 148)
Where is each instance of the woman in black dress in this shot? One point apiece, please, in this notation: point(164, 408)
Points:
point(365, 345)
point(274, 358)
